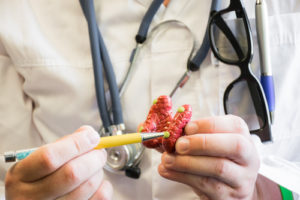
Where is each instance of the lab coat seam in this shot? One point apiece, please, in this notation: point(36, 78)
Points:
point(179, 13)
point(144, 3)
point(170, 50)
point(282, 42)
point(4, 58)
point(46, 63)
point(40, 65)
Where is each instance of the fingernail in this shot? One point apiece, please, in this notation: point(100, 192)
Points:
point(169, 159)
point(162, 169)
point(191, 127)
point(182, 145)
point(93, 136)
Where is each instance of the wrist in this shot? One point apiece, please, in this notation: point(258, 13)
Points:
point(256, 193)
point(266, 189)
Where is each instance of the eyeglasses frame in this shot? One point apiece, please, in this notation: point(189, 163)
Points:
point(256, 91)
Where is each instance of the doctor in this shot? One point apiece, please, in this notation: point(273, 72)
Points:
point(47, 92)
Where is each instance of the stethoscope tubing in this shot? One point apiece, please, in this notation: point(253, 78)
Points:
point(101, 59)
point(146, 21)
point(195, 63)
point(95, 50)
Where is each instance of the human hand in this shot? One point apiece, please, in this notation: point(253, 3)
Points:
point(69, 169)
point(216, 158)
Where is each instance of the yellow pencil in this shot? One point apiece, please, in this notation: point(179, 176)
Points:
point(129, 138)
point(105, 142)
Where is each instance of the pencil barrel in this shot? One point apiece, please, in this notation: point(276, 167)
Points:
point(118, 140)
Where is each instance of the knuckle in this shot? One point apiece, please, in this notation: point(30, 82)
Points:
point(241, 146)
point(202, 183)
point(241, 126)
point(77, 145)
point(71, 174)
point(206, 183)
point(221, 168)
point(48, 159)
point(244, 189)
point(212, 122)
point(203, 142)
point(184, 163)
point(218, 187)
point(92, 185)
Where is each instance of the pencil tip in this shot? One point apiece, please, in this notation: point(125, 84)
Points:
point(166, 134)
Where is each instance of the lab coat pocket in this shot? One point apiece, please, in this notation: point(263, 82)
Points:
point(284, 50)
point(284, 38)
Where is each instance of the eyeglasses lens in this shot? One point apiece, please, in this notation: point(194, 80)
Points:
point(248, 106)
point(229, 36)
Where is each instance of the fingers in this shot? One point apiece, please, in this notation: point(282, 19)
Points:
point(50, 157)
point(72, 174)
point(159, 149)
point(94, 188)
point(218, 124)
point(105, 192)
point(86, 189)
point(218, 168)
point(212, 188)
point(216, 158)
point(232, 146)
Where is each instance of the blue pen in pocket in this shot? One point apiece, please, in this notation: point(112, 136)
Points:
point(267, 81)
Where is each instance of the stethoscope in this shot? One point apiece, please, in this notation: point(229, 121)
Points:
point(125, 159)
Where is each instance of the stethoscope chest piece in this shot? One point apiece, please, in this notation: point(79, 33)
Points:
point(117, 157)
point(125, 159)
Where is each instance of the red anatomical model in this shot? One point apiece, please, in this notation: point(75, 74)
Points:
point(160, 119)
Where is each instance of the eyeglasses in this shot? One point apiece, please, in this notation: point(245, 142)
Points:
point(231, 43)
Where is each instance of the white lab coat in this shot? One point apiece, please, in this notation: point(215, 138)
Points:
point(47, 86)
